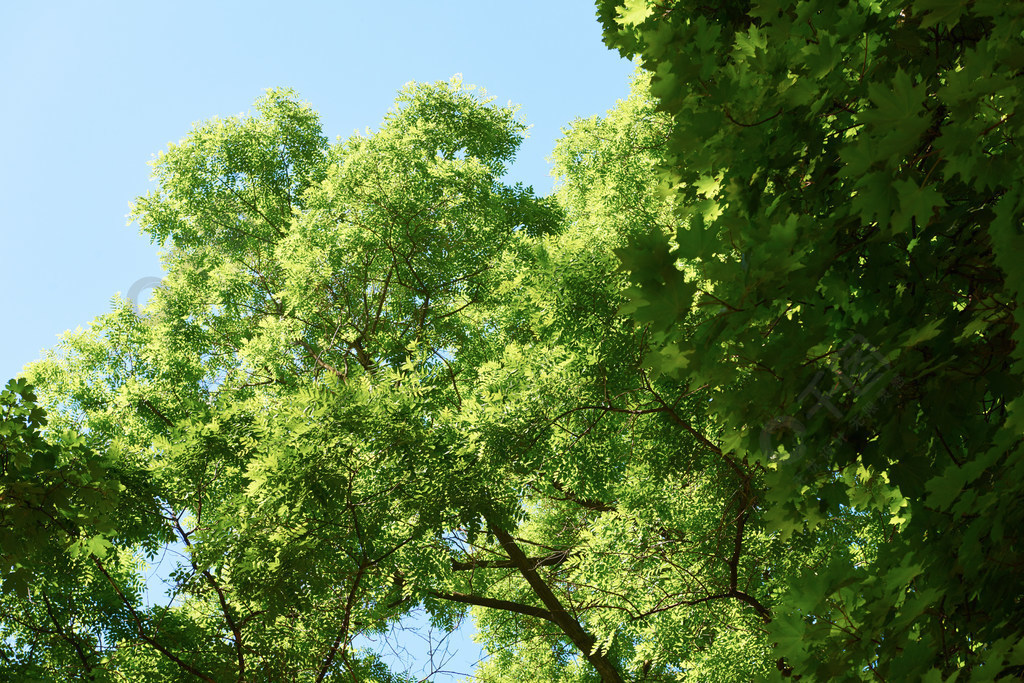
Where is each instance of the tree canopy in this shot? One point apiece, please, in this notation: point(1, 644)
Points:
point(739, 400)
point(847, 181)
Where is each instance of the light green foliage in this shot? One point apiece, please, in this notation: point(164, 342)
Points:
point(277, 400)
point(376, 378)
point(846, 178)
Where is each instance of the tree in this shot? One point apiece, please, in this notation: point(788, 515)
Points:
point(375, 378)
point(687, 418)
point(847, 178)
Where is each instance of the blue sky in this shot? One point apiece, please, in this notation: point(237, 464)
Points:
point(94, 90)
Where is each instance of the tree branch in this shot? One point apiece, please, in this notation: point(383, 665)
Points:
point(156, 412)
point(572, 628)
point(545, 561)
point(493, 603)
point(66, 636)
point(583, 502)
point(142, 634)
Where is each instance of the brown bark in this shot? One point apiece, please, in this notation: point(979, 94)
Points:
point(572, 628)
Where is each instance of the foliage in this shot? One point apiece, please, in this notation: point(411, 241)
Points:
point(738, 401)
point(847, 178)
point(51, 492)
point(414, 387)
point(376, 378)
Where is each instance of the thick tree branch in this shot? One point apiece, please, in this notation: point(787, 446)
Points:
point(734, 563)
point(493, 603)
point(342, 639)
point(704, 441)
point(738, 595)
point(572, 628)
point(156, 412)
point(322, 363)
point(236, 629)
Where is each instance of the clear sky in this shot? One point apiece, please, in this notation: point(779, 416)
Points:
point(93, 90)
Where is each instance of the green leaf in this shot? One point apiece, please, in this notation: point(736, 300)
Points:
point(98, 546)
point(634, 12)
point(935, 12)
point(915, 203)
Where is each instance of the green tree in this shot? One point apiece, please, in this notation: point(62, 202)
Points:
point(376, 377)
point(657, 426)
point(847, 184)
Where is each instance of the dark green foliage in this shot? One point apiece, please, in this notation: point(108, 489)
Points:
point(848, 177)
